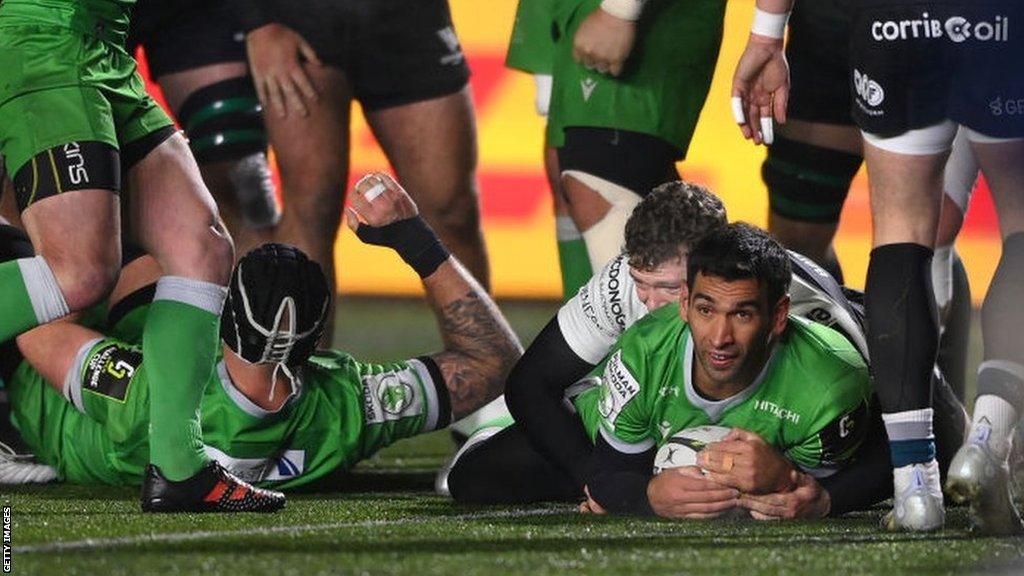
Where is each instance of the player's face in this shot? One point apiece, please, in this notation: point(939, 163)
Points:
point(661, 285)
point(733, 328)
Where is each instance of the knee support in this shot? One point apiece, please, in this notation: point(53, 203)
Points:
point(224, 123)
point(808, 183)
point(606, 237)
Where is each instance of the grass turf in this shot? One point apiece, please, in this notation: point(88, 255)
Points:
point(383, 518)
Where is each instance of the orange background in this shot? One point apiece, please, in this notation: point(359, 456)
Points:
point(518, 224)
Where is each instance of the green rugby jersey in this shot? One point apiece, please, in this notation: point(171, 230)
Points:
point(810, 400)
point(343, 412)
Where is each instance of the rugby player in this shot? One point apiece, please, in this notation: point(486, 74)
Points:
point(728, 354)
point(74, 116)
point(919, 71)
point(275, 412)
point(816, 153)
point(401, 60)
point(531, 49)
point(196, 53)
point(545, 454)
point(617, 118)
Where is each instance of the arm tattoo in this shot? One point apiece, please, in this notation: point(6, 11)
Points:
point(480, 350)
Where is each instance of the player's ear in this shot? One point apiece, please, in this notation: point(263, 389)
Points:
point(684, 302)
point(780, 316)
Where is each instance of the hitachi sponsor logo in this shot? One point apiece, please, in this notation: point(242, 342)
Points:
point(777, 411)
point(956, 28)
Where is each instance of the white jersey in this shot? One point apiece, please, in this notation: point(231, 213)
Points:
point(592, 321)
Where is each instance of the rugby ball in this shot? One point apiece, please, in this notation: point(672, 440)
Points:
point(682, 447)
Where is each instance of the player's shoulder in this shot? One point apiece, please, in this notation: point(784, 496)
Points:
point(659, 328)
point(820, 347)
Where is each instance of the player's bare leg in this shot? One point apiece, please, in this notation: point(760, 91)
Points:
point(979, 473)
point(807, 193)
point(432, 146)
point(906, 194)
point(572, 250)
point(312, 156)
point(244, 201)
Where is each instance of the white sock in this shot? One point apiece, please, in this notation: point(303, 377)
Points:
point(993, 423)
point(48, 301)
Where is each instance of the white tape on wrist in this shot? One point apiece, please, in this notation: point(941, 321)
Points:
point(737, 111)
point(769, 24)
point(624, 9)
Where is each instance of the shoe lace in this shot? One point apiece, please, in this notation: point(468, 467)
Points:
point(7, 453)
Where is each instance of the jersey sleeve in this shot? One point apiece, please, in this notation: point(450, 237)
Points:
point(837, 428)
point(600, 312)
point(413, 391)
point(624, 414)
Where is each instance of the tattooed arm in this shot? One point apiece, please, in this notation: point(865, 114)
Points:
point(480, 347)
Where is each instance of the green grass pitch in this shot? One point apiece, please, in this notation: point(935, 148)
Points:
point(384, 519)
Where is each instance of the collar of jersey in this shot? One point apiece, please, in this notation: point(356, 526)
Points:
point(243, 402)
point(715, 408)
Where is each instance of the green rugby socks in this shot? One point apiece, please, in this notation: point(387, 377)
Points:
point(179, 344)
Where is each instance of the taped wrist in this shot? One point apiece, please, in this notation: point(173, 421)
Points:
point(624, 9)
point(413, 240)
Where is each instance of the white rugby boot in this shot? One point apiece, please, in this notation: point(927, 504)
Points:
point(917, 499)
point(18, 468)
point(979, 477)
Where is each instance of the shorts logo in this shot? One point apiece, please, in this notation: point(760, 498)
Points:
point(870, 92)
point(588, 85)
point(451, 41)
point(1009, 106)
point(76, 163)
point(957, 28)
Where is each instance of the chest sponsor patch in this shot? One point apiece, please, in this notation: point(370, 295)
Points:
point(110, 371)
point(618, 387)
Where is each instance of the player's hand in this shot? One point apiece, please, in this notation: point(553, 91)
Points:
point(603, 42)
point(590, 506)
point(685, 493)
point(377, 200)
point(744, 461)
point(276, 54)
point(807, 500)
point(760, 88)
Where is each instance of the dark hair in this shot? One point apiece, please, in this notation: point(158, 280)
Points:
point(674, 213)
point(738, 251)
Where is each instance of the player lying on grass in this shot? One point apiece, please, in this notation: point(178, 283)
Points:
point(274, 412)
point(549, 448)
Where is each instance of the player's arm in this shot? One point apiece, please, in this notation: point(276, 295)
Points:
point(760, 85)
point(605, 38)
point(479, 346)
point(278, 56)
point(564, 352)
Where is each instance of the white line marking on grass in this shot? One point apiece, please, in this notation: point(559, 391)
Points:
point(101, 543)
